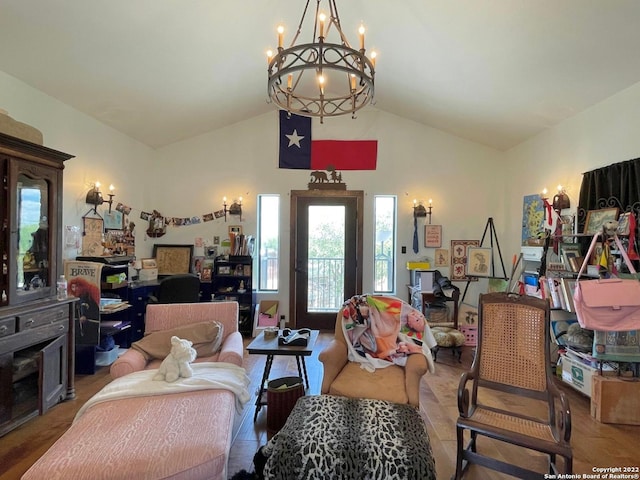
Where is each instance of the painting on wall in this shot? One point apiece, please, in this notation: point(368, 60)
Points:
point(532, 220)
point(458, 254)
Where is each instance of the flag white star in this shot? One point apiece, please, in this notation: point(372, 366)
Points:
point(294, 138)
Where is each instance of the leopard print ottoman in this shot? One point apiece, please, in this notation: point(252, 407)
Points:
point(330, 437)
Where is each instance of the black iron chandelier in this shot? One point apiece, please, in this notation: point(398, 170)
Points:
point(322, 78)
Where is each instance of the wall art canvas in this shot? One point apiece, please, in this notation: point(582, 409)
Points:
point(441, 257)
point(458, 254)
point(532, 220)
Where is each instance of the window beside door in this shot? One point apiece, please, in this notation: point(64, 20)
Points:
point(385, 243)
point(268, 241)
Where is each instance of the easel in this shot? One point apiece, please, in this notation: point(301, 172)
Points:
point(493, 236)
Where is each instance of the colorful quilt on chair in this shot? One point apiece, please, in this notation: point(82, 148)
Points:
point(382, 331)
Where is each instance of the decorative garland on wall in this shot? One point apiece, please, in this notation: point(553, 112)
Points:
point(158, 223)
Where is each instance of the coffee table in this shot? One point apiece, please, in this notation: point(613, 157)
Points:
point(270, 347)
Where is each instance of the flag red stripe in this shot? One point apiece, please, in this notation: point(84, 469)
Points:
point(344, 154)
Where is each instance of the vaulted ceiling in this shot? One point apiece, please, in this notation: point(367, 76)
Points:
point(493, 71)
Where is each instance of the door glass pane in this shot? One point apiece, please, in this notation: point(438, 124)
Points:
point(326, 256)
point(33, 229)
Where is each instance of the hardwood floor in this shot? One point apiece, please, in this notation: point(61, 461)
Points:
point(594, 444)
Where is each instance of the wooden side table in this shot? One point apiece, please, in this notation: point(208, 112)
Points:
point(270, 347)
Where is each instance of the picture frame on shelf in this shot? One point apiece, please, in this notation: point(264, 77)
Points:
point(597, 218)
point(197, 264)
point(173, 259)
point(624, 223)
point(235, 230)
point(433, 236)
point(479, 261)
point(205, 274)
point(569, 252)
point(149, 263)
point(224, 270)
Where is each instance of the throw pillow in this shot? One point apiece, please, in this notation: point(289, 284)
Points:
point(205, 336)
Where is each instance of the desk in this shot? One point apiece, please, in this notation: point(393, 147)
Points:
point(270, 347)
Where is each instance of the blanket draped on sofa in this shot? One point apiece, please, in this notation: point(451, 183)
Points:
point(206, 375)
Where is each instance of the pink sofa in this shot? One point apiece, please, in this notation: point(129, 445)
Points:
point(176, 436)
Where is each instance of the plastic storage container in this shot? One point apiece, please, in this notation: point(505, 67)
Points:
point(61, 288)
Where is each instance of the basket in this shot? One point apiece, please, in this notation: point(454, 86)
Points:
point(282, 395)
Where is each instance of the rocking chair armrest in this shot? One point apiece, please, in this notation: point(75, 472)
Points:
point(561, 413)
point(464, 394)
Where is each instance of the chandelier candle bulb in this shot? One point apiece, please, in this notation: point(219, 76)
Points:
point(353, 82)
point(322, 17)
point(280, 36)
point(289, 81)
point(361, 32)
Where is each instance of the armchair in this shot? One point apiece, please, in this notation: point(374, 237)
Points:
point(172, 316)
point(393, 383)
point(512, 358)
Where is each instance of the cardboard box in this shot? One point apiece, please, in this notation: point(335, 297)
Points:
point(577, 374)
point(616, 400)
point(147, 274)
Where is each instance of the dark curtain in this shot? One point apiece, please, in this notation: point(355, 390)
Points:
point(614, 186)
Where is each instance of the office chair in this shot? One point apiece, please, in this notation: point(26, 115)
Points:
point(181, 288)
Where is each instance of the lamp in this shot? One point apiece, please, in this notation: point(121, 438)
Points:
point(420, 211)
point(234, 209)
point(94, 197)
point(561, 199)
point(321, 79)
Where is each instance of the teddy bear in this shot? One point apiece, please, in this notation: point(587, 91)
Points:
point(177, 363)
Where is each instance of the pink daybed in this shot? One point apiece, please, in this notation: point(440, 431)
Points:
point(174, 436)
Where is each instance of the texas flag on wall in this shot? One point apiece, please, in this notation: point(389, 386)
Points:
point(298, 150)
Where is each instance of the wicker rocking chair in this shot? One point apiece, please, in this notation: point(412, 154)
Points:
point(513, 357)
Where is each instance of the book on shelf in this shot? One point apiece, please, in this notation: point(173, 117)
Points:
point(554, 286)
point(241, 244)
point(568, 289)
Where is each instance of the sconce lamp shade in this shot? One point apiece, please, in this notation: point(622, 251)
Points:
point(419, 211)
point(94, 197)
point(235, 209)
point(561, 201)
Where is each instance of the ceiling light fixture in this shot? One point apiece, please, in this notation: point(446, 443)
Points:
point(322, 78)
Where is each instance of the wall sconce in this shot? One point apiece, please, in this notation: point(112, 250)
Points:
point(419, 210)
point(234, 209)
point(94, 197)
point(561, 199)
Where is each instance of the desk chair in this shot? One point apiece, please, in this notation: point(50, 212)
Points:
point(181, 288)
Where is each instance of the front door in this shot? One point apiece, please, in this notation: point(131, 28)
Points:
point(326, 254)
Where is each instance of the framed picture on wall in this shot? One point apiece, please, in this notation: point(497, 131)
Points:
point(113, 220)
point(173, 259)
point(433, 236)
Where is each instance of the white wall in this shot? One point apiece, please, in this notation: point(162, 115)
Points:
point(468, 183)
point(101, 153)
point(604, 134)
point(414, 161)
